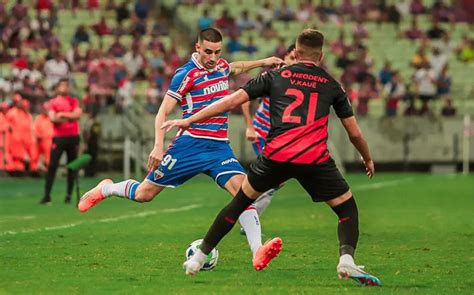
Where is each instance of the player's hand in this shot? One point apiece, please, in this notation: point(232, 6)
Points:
point(154, 159)
point(369, 168)
point(179, 123)
point(273, 62)
point(251, 134)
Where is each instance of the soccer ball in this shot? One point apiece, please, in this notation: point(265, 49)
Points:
point(212, 257)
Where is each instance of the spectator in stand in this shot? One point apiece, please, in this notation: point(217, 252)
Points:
point(269, 32)
point(367, 91)
point(205, 21)
point(435, 32)
point(266, 12)
point(466, 49)
point(121, 12)
point(305, 11)
point(393, 92)
point(156, 59)
point(117, 49)
point(137, 27)
point(19, 10)
point(411, 109)
point(284, 13)
point(55, 69)
point(386, 73)
point(81, 35)
point(42, 5)
point(425, 83)
point(440, 12)
point(417, 7)
point(225, 21)
point(101, 28)
point(346, 8)
point(92, 5)
point(394, 16)
point(153, 95)
point(338, 46)
point(141, 9)
point(443, 83)
point(360, 31)
point(437, 61)
point(125, 94)
point(74, 58)
point(251, 48)
point(448, 109)
point(134, 63)
point(43, 134)
point(234, 45)
point(244, 22)
point(413, 33)
point(445, 45)
point(420, 58)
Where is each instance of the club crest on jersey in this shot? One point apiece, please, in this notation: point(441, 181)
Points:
point(222, 85)
point(286, 74)
point(157, 174)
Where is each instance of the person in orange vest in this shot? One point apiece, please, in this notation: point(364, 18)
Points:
point(29, 142)
point(43, 133)
point(4, 130)
point(16, 147)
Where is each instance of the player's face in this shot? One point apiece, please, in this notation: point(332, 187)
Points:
point(290, 58)
point(209, 53)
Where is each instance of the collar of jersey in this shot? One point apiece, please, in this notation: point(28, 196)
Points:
point(194, 58)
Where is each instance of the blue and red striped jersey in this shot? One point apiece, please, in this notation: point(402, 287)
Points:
point(196, 87)
point(261, 119)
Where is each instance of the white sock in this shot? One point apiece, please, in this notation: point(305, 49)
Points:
point(125, 189)
point(264, 200)
point(346, 259)
point(251, 223)
point(199, 257)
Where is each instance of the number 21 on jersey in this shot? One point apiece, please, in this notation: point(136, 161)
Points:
point(299, 95)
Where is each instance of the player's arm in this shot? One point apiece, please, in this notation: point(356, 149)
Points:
point(359, 142)
point(238, 67)
point(249, 131)
point(56, 118)
point(225, 104)
point(156, 154)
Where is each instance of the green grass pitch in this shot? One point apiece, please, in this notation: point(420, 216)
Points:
point(417, 235)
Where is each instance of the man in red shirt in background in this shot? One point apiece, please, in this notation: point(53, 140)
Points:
point(43, 130)
point(64, 111)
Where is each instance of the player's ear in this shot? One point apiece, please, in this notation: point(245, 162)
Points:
point(198, 46)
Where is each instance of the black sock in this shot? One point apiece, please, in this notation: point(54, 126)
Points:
point(348, 227)
point(225, 221)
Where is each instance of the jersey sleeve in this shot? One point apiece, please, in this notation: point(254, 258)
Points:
point(180, 84)
point(259, 86)
point(341, 104)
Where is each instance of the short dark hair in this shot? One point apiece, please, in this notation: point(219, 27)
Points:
point(211, 35)
point(62, 80)
point(310, 43)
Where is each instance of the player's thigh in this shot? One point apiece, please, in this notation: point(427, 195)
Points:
point(57, 148)
point(265, 174)
point(72, 148)
point(234, 184)
point(179, 164)
point(223, 167)
point(323, 182)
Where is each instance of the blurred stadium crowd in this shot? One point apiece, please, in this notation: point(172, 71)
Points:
point(120, 53)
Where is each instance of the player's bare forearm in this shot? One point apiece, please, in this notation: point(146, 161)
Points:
point(246, 113)
point(239, 67)
point(165, 109)
point(225, 104)
point(356, 137)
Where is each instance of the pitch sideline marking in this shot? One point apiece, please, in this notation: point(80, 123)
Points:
point(382, 184)
point(103, 220)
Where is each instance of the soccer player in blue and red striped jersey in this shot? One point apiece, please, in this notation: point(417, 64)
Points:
point(204, 146)
point(301, 96)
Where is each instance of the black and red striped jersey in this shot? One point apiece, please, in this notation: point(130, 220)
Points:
point(300, 99)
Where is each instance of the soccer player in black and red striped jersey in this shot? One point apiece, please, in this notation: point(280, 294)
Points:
point(300, 99)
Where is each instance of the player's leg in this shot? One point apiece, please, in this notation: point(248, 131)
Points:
point(249, 218)
point(72, 150)
point(262, 177)
point(56, 151)
point(325, 183)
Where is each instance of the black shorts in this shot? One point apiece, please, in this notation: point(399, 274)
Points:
point(323, 181)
